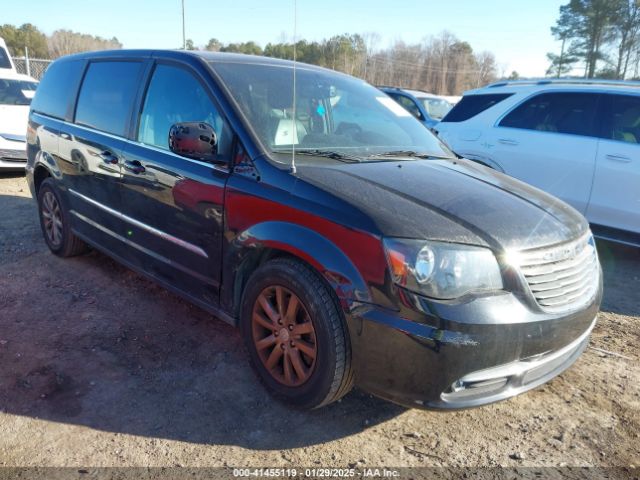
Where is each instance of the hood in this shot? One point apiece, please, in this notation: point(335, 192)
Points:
point(449, 200)
point(14, 119)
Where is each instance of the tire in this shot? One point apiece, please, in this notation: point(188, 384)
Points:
point(55, 222)
point(313, 381)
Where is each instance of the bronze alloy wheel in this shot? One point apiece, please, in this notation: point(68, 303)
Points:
point(52, 218)
point(284, 336)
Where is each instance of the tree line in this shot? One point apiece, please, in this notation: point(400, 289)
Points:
point(601, 35)
point(441, 64)
point(28, 39)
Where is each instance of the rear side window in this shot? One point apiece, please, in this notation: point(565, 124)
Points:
point(622, 120)
point(4, 59)
point(107, 95)
point(472, 105)
point(57, 87)
point(561, 112)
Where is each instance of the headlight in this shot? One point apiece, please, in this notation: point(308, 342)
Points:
point(442, 270)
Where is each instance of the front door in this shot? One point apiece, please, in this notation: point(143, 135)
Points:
point(550, 142)
point(174, 205)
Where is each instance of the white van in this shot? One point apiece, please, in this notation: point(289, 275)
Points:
point(6, 63)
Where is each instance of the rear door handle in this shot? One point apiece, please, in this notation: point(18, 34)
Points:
point(134, 166)
point(508, 141)
point(618, 158)
point(108, 157)
point(65, 136)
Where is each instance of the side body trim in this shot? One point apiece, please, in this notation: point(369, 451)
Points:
point(164, 235)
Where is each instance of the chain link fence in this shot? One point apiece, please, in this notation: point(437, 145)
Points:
point(31, 66)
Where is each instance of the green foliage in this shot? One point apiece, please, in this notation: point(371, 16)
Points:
point(27, 35)
point(594, 31)
point(249, 48)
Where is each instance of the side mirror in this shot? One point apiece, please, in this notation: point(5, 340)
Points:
point(197, 140)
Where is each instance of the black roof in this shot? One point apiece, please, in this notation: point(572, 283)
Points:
point(210, 57)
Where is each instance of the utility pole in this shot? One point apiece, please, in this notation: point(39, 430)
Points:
point(184, 38)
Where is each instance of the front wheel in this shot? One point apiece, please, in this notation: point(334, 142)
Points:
point(295, 334)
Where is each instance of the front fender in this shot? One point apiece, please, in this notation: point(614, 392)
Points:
point(248, 248)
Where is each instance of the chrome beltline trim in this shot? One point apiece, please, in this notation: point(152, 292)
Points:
point(164, 235)
point(143, 249)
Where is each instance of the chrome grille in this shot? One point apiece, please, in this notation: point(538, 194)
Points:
point(562, 277)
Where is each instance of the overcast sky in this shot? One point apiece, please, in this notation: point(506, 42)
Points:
point(516, 31)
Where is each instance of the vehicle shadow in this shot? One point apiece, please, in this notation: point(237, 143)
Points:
point(621, 273)
point(86, 341)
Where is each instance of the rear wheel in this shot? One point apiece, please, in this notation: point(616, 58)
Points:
point(295, 334)
point(55, 222)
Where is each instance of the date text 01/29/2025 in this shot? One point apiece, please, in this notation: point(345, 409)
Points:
point(315, 472)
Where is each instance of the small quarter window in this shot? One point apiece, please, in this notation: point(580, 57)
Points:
point(472, 105)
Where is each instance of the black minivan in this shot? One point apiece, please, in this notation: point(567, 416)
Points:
point(306, 207)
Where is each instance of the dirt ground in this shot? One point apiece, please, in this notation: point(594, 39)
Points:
point(100, 367)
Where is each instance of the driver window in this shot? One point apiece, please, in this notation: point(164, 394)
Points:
point(174, 95)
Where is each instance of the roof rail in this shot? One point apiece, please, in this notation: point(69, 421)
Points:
point(565, 81)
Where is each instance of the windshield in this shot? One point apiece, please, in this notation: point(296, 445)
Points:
point(16, 92)
point(334, 113)
point(437, 108)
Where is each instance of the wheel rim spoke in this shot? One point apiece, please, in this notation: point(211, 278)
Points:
point(280, 302)
point(275, 355)
point(284, 336)
point(292, 310)
point(298, 365)
point(266, 342)
point(302, 329)
point(268, 308)
point(262, 321)
point(306, 348)
point(288, 371)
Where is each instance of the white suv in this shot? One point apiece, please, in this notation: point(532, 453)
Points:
point(578, 140)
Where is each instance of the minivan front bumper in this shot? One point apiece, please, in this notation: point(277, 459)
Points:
point(465, 355)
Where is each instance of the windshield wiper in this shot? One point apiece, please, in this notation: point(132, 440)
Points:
point(343, 157)
point(411, 154)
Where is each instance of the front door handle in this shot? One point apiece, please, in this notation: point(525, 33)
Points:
point(508, 141)
point(108, 157)
point(134, 166)
point(618, 158)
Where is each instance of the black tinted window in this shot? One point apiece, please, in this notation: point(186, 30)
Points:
point(57, 87)
point(623, 119)
point(174, 95)
point(472, 105)
point(107, 94)
point(408, 104)
point(561, 112)
point(4, 59)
